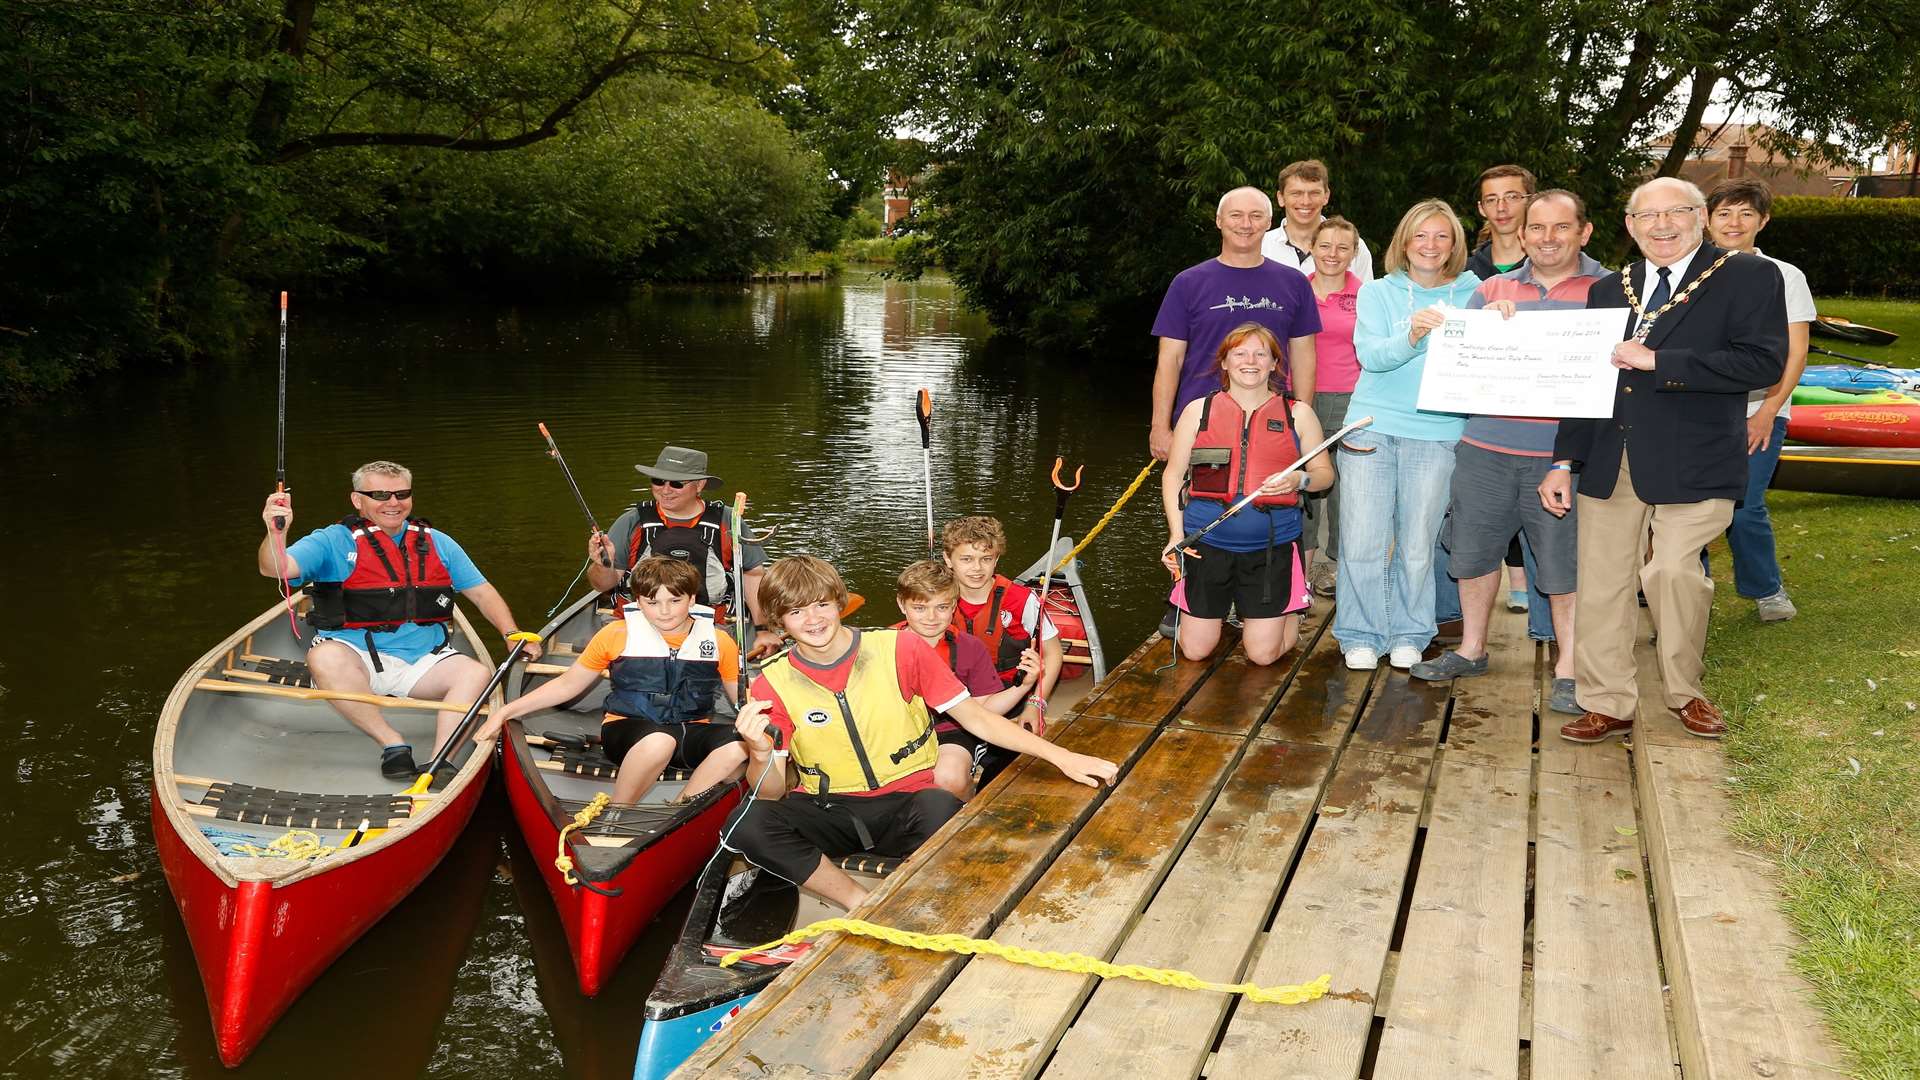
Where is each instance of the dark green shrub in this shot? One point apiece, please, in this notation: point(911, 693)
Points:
point(1850, 247)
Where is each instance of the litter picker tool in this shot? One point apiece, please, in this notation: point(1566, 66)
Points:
point(553, 451)
point(1194, 537)
point(1062, 491)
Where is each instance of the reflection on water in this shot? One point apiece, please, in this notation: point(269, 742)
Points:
point(133, 513)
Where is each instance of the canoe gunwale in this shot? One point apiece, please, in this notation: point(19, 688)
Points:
point(232, 871)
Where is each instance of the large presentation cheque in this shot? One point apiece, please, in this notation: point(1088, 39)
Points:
point(1538, 363)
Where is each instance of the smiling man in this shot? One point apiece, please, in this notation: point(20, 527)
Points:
point(383, 583)
point(1503, 194)
point(1705, 328)
point(1502, 459)
point(1205, 301)
point(1304, 193)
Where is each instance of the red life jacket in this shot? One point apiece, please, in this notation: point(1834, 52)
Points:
point(1259, 446)
point(392, 583)
point(707, 544)
point(1005, 641)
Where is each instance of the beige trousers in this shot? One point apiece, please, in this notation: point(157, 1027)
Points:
point(1613, 537)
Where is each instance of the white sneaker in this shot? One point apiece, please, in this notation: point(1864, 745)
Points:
point(1362, 659)
point(1404, 657)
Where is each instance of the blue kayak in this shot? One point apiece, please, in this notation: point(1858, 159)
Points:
point(1859, 379)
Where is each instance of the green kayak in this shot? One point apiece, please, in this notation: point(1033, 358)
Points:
point(1820, 395)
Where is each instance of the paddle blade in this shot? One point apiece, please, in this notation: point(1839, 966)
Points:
point(854, 603)
point(923, 411)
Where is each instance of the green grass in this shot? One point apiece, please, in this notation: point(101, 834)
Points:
point(1900, 316)
point(1824, 713)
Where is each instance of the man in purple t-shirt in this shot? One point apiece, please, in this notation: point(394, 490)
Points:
point(1206, 301)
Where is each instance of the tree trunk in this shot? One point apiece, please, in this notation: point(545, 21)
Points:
point(1705, 78)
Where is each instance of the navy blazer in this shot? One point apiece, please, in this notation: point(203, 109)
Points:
point(1683, 424)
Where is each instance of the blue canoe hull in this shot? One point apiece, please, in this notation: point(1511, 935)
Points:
point(665, 1044)
point(1848, 377)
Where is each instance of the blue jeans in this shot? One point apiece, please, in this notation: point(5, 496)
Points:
point(1446, 593)
point(1390, 514)
point(1756, 569)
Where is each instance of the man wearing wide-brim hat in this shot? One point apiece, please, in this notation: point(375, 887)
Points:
point(676, 521)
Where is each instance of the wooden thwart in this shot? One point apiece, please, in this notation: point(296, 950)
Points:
point(314, 694)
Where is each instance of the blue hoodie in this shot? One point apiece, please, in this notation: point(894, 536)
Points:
point(1390, 368)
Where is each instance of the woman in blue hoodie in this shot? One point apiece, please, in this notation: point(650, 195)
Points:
point(1396, 485)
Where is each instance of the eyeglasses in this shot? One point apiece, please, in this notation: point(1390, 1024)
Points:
point(674, 484)
point(1510, 198)
point(1677, 213)
point(382, 496)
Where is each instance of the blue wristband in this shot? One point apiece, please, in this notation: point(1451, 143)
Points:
point(1561, 466)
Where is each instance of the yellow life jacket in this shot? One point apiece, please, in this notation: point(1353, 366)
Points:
point(862, 738)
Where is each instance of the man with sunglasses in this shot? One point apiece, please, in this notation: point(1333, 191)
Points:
point(676, 521)
point(383, 583)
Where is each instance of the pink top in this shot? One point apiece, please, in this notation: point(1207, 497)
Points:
point(1336, 368)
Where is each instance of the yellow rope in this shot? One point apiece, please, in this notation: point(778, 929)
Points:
point(1076, 963)
point(293, 844)
point(562, 861)
point(1102, 523)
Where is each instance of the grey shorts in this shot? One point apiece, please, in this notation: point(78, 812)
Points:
point(1495, 496)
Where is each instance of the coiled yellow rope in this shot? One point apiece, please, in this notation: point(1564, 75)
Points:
point(1076, 963)
point(562, 861)
point(1102, 523)
point(292, 844)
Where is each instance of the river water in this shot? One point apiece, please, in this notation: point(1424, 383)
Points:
point(133, 514)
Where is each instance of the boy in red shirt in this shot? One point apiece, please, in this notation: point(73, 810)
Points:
point(926, 594)
point(852, 709)
point(1000, 612)
point(666, 660)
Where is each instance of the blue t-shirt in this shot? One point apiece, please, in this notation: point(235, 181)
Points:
point(1207, 301)
point(1246, 530)
point(328, 555)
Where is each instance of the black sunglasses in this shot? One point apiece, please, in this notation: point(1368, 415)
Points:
point(674, 484)
point(383, 496)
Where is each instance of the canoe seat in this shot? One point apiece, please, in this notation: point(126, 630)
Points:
point(592, 762)
point(272, 670)
point(867, 863)
point(299, 809)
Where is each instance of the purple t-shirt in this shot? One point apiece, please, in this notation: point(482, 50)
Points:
point(1207, 301)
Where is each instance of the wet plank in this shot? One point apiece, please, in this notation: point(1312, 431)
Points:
point(1456, 997)
point(1739, 1010)
point(1319, 706)
point(1404, 718)
point(1206, 918)
point(999, 1019)
point(1492, 722)
point(1145, 694)
point(963, 881)
point(1598, 1013)
point(1238, 695)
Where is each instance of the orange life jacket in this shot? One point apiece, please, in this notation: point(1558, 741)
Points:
point(1259, 446)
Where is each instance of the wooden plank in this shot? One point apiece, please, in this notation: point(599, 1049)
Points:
point(999, 1019)
point(1145, 694)
point(1599, 761)
point(1739, 1011)
point(307, 693)
point(1456, 997)
point(963, 881)
point(1405, 716)
point(1126, 664)
point(1492, 722)
point(1239, 693)
point(1206, 918)
point(1336, 917)
point(1598, 1012)
point(1319, 706)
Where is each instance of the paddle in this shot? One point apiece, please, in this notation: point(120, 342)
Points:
point(553, 451)
point(1844, 356)
point(923, 411)
point(1192, 538)
point(459, 732)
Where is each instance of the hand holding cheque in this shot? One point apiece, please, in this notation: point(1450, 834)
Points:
point(1494, 361)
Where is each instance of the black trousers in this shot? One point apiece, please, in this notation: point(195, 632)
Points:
point(788, 836)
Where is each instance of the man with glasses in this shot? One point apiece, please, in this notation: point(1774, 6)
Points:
point(1705, 327)
point(1504, 191)
point(382, 584)
point(676, 521)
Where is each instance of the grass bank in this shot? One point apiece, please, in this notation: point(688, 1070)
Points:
point(1824, 745)
point(1900, 316)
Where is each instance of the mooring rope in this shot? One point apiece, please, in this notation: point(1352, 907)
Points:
point(1077, 963)
point(562, 861)
point(1108, 516)
point(293, 844)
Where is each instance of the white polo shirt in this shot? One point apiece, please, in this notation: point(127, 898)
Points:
point(1800, 309)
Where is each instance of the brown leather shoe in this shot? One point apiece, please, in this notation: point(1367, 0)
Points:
point(1450, 632)
point(1702, 717)
point(1593, 727)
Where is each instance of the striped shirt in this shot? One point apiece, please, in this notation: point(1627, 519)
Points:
point(1527, 436)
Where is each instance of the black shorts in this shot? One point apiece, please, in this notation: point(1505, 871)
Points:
point(692, 742)
point(962, 738)
point(788, 836)
point(1259, 586)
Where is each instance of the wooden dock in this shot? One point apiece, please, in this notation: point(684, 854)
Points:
point(1489, 902)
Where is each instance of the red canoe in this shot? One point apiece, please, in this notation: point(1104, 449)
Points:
point(244, 756)
point(1855, 425)
point(629, 861)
